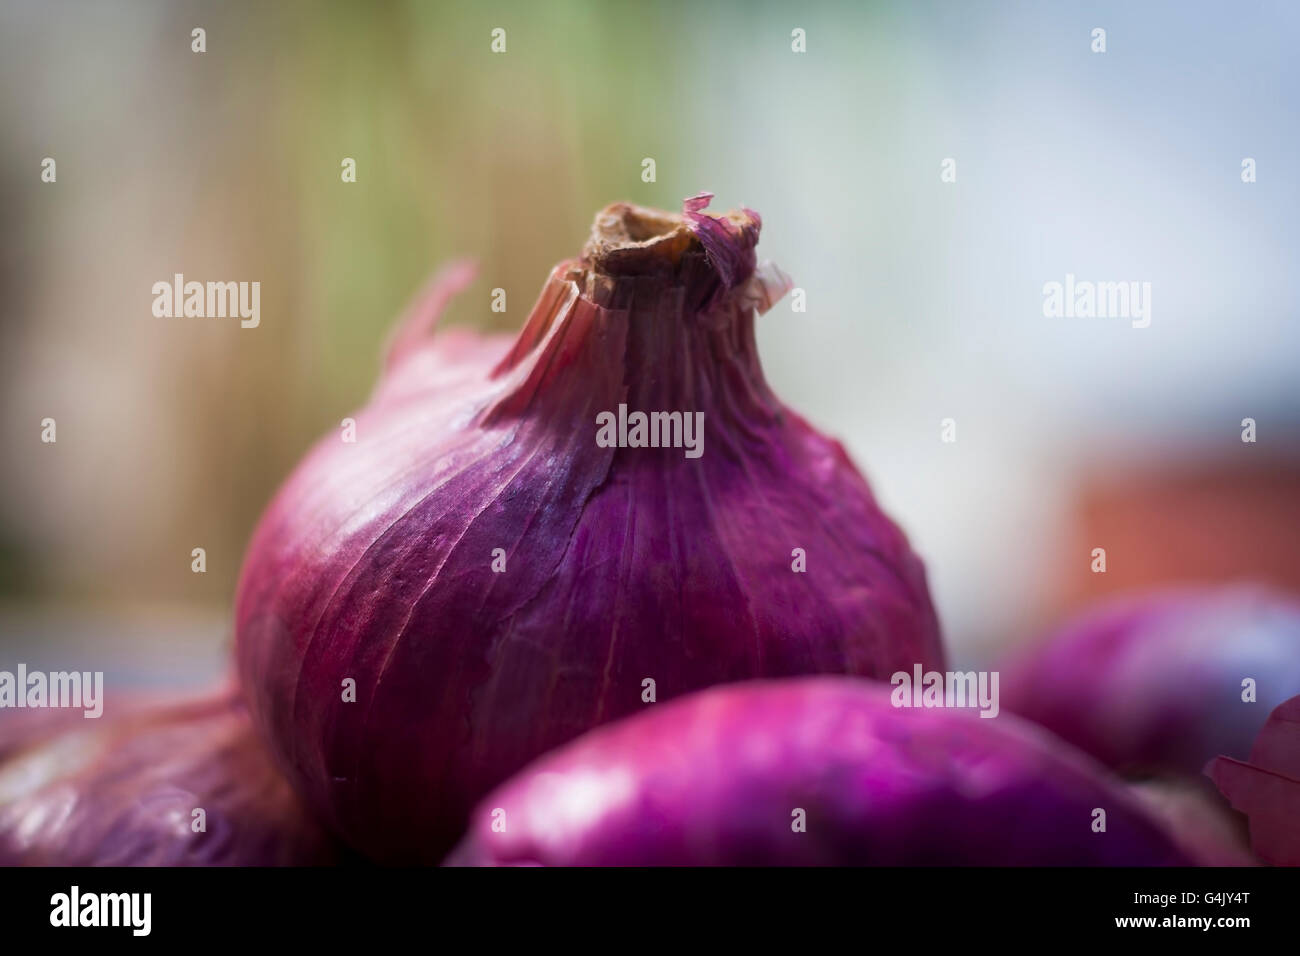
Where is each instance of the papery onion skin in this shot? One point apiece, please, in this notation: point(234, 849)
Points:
point(121, 790)
point(1153, 683)
point(374, 561)
point(717, 779)
point(1266, 788)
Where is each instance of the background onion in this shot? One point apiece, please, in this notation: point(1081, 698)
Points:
point(1154, 683)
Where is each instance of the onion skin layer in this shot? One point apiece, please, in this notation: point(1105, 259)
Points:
point(716, 779)
point(1267, 787)
point(374, 561)
point(1152, 684)
point(121, 790)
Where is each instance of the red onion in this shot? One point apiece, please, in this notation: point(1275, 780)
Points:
point(622, 565)
point(123, 791)
point(1154, 683)
point(1267, 788)
point(730, 775)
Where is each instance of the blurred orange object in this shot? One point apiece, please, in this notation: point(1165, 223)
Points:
point(1191, 522)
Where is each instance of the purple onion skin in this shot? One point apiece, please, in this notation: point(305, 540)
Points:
point(121, 791)
point(715, 779)
point(1153, 684)
point(1266, 788)
point(623, 564)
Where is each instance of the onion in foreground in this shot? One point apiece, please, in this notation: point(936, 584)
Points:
point(817, 771)
point(508, 555)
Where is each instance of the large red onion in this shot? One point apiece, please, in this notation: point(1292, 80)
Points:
point(1154, 683)
point(623, 564)
point(727, 777)
point(122, 790)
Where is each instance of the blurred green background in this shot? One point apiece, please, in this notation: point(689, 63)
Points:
point(924, 297)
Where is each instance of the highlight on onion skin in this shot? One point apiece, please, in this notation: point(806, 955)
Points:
point(1266, 788)
point(1153, 684)
point(1199, 820)
point(495, 582)
point(122, 790)
point(725, 776)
